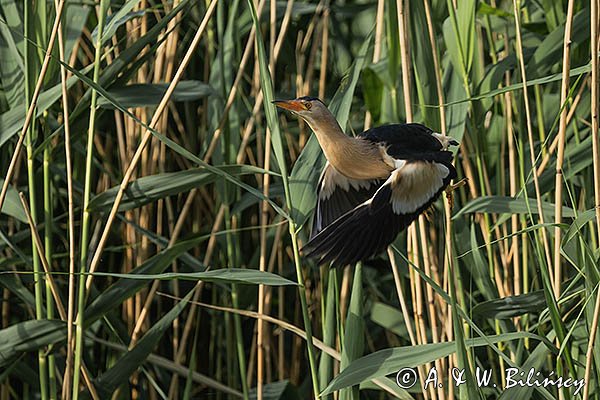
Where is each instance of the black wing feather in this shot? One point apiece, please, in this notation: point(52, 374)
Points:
point(406, 141)
point(366, 230)
point(339, 202)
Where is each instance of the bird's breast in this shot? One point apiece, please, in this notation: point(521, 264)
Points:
point(361, 159)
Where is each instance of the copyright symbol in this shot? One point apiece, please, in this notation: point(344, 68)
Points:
point(406, 378)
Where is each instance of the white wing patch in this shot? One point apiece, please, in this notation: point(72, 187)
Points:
point(414, 184)
point(332, 179)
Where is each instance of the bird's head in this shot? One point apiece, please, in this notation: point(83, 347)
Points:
point(310, 109)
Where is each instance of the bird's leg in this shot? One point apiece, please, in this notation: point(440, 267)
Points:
point(451, 188)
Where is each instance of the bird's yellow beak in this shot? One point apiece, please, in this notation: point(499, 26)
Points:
point(291, 105)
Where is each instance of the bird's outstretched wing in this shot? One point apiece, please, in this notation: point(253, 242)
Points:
point(409, 141)
point(370, 227)
point(404, 137)
point(337, 195)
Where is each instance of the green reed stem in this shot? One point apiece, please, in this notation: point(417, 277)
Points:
point(237, 321)
point(31, 70)
point(48, 218)
point(86, 217)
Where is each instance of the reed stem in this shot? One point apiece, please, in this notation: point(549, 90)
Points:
point(87, 191)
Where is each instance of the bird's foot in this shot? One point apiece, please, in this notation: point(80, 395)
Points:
point(459, 184)
point(450, 191)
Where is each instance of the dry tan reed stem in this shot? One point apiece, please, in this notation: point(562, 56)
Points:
point(412, 230)
point(405, 61)
point(33, 104)
point(594, 115)
point(264, 219)
point(436, 65)
point(262, 265)
point(280, 314)
point(589, 354)
point(169, 54)
point(324, 53)
point(420, 310)
point(404, 57)
point(311, 62)
point(284, 26)
point(272, 36)
point(379, 25)
point(252, 355)
point(512, 170)
point(513, 173)
point(536, 183)
point(403, 307)
point(595, 91)
point(562, 133)
point(145, 139)
point(447, 210)
point(376, 49)
point(66, 392)
point(449, 337)
point(448, 260)
point(433, 321)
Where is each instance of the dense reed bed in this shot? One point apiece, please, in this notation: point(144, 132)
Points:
point(154, 201)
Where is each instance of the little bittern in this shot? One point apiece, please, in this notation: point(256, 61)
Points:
point(373, 185)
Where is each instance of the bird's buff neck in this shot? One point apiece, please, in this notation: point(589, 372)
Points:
point(329, 134)
point(352, 157)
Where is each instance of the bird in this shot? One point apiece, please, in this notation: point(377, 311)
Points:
point(373, 185)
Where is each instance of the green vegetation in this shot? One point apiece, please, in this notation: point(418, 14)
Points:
point(154, 202)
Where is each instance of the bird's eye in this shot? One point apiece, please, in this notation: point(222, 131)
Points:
point(307, 105)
